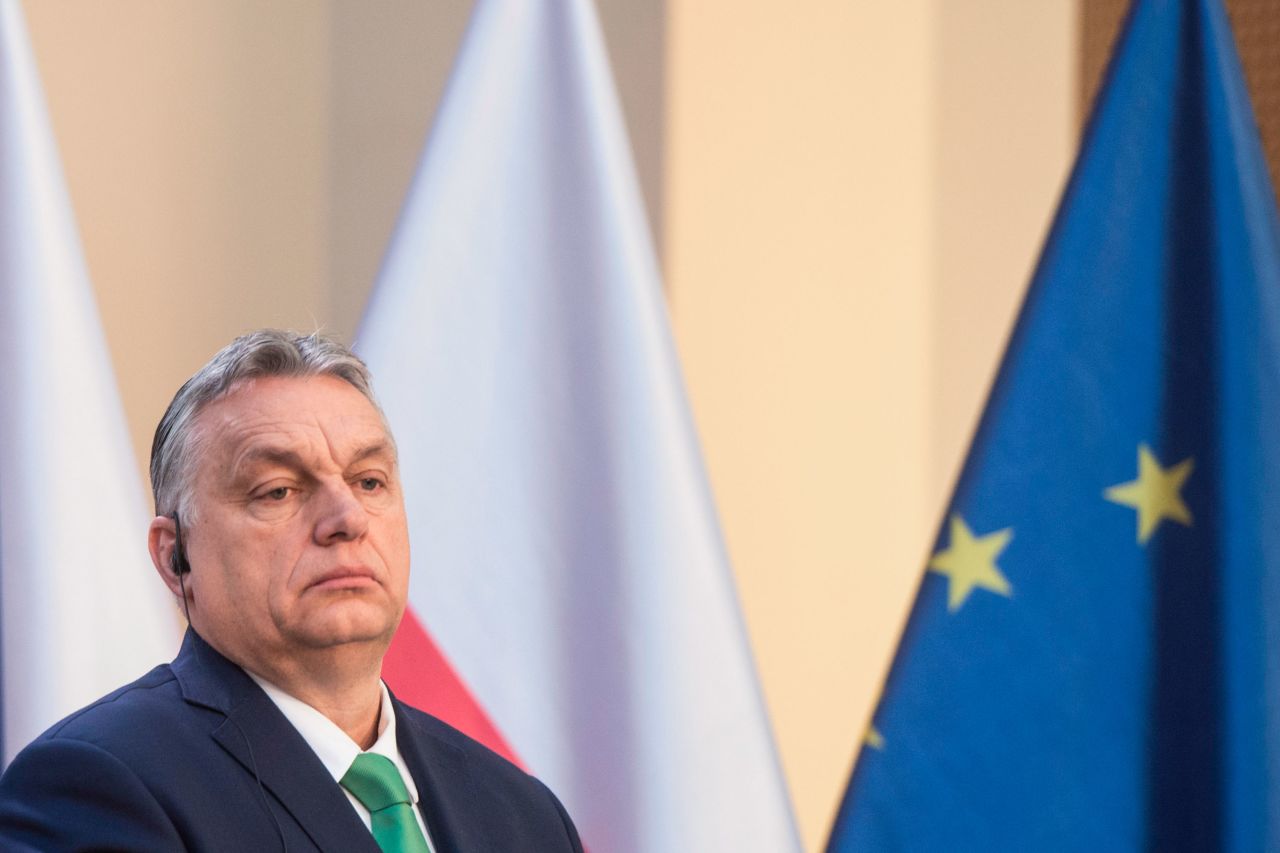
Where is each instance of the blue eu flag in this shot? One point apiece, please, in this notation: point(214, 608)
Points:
point(1093, 658)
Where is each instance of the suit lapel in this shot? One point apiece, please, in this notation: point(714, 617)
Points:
point(256, 733)
point(445, 787)
point(259, 737)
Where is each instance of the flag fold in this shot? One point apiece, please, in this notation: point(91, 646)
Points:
point(568, 578)
point(81, 609)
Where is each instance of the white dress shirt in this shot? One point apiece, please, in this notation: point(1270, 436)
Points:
point(337, 751)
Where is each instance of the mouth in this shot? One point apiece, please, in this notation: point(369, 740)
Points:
point(345, 577)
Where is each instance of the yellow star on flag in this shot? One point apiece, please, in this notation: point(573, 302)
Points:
point(970, 561)
point(873, 738)
point(1156, 494)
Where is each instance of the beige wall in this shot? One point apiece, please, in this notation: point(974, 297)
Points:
point(799, 235)
point(848, 195)
point(855, 194)
point(402, 51)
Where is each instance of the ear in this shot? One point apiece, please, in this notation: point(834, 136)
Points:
point(162, 539)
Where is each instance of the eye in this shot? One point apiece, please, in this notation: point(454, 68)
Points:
point(278, 494)
point(370, 484)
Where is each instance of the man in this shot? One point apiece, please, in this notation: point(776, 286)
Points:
point(280, 528)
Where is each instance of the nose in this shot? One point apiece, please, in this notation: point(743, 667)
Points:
point(341, 516)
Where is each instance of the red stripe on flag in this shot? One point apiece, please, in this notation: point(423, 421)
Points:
point(416, 671)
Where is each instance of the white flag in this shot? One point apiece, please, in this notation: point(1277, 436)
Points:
point(566, 555)
point(81, 609)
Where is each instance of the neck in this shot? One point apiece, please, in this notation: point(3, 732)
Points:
point(342, 683)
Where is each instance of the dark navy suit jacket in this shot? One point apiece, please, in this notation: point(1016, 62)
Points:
point(195, 756)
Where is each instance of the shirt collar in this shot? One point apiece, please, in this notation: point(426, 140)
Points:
point(335, 749)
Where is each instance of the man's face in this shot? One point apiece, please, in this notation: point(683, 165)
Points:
point(299, 542)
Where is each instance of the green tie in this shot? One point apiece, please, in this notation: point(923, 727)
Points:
point(374, 780)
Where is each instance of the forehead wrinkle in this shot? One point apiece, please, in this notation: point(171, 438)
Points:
point(364, 435)
point(304, 450)
point(255, 428)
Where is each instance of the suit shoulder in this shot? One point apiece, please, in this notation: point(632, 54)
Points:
point(426, 724)
point(126, 711)
point(80, 784)
point(65, 794)
point(500, 773)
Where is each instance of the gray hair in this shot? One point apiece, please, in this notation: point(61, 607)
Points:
point(266, 352)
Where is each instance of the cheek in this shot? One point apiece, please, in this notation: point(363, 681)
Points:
point(396, 544)
point(390, 543)
point(280, 562)
point(256, 570)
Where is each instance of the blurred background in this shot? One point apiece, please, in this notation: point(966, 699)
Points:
point(847, 198)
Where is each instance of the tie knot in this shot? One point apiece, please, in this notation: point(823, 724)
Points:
point(374, 780)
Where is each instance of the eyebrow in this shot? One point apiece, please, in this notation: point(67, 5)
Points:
point(256, 455)
point(291, 459)
point(377, 448)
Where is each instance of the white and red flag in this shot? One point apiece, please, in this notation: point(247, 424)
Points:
point(571, 602)
point(81, 610)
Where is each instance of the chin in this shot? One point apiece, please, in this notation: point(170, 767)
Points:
point(347, 626)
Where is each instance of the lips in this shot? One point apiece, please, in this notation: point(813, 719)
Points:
point(345, 577)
